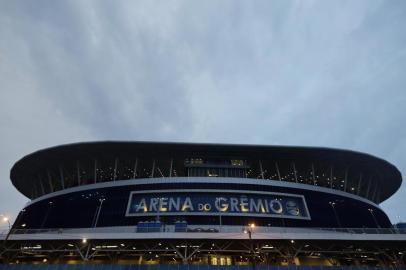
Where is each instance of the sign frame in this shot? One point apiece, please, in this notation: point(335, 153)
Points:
point(217, 213)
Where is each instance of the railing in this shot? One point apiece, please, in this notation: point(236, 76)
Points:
point(184, 267)
point(209, 229)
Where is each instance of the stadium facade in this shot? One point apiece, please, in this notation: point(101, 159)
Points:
point(203, 204)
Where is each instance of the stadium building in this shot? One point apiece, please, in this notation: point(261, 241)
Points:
point(176, 204)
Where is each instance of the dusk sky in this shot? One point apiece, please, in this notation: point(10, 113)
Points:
point(311, 73)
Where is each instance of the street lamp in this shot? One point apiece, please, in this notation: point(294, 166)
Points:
point(6, 219)
point(335, 213)
point(249, 231)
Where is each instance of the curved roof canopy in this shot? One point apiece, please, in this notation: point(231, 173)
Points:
point(371, 177)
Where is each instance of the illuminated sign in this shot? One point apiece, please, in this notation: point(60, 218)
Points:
point(214, 202)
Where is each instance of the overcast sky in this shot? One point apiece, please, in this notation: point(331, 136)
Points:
point(314, 73)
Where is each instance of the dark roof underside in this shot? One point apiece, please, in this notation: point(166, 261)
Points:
point(27, 166)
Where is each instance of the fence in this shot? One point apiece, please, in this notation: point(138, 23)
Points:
point(211, 229)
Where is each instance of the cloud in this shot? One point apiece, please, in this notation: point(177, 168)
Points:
point(269, 72)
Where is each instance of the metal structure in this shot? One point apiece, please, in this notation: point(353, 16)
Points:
point(175, 203)
point(262, 246)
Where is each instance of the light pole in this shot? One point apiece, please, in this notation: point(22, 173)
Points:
point(249, 231)
point(398, 217)
point(46, 215)
point(6, 219)
point(398, 224)
point(371, 211)
point(98, 211)
point(335, 213)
